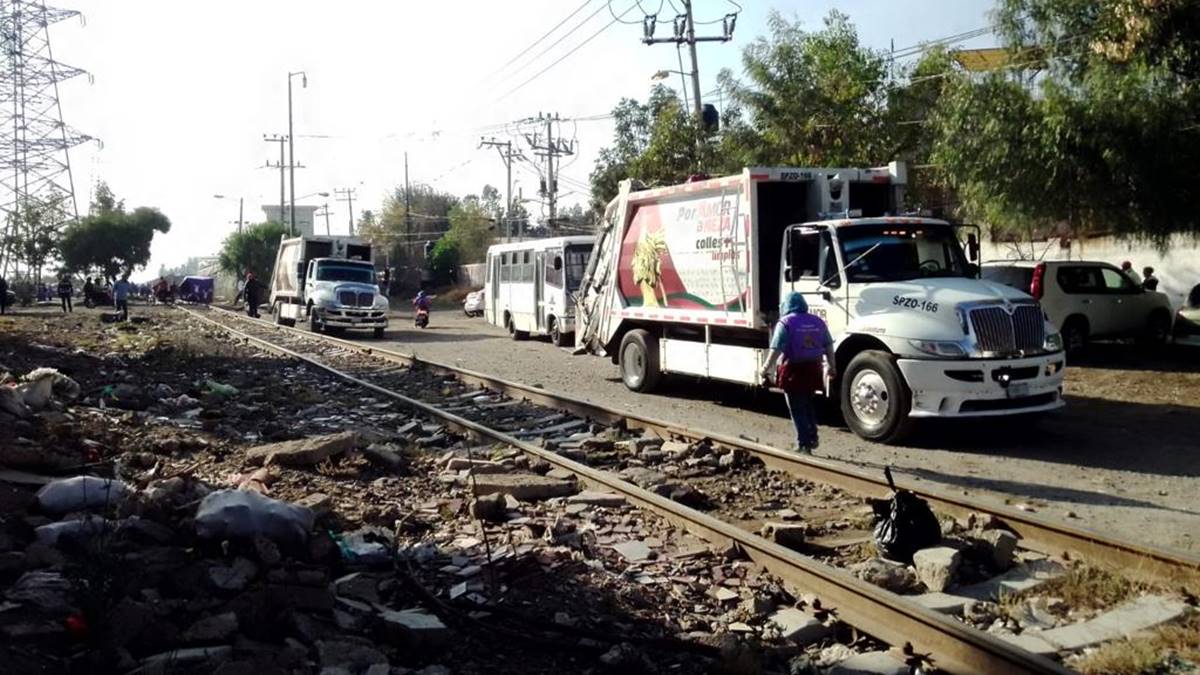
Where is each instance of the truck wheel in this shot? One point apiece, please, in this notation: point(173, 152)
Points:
point(639, 361)
point(314, 324)
point(875, 399)
point(378, 333)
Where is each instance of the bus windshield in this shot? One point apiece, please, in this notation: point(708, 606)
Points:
point(346, 271)
point(575, 260)
point(894, 252)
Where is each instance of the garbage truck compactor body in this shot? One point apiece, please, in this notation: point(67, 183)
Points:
point(687, 279)
point(328, 282)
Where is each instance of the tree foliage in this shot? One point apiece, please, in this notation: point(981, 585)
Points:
point(112, 240)
point(444, 259)
point(252, 250)
point(472, 229)
point(389, 231)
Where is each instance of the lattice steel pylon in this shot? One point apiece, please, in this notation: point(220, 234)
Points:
point(35, 164)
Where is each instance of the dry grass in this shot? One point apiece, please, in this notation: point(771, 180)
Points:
point(1086, 587)
point(1178, 643)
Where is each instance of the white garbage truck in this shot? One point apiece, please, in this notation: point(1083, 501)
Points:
point(687, 279)
point(327, 282)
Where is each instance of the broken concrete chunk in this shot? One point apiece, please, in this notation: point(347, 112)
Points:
point(790, 535)
point(1003, 545)
point(634, 551)
point(870, 663)
point(798, 626)
point(303, 452)
point(524, 486)
point(415, 627)
point(642, 477)
point(318, 502)
point(212, 629)
point(594, 498)
point(490, 507)
point(893, 576)
point(937, 566)
point(1141, 614)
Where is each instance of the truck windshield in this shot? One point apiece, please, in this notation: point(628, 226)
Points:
point(889, 252)
point(362, 274)
point(575, 260)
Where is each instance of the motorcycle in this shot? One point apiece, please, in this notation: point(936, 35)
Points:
point(421, 318)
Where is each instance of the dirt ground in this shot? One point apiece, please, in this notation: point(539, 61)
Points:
point(1123, 457)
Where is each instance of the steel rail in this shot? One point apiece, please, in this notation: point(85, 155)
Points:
point(956, 647)
point(1160, 565)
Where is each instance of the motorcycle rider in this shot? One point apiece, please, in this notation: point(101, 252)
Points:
point(421, 303)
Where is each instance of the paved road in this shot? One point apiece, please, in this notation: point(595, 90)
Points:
point(1124, 467)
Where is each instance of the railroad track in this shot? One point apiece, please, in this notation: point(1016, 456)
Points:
point(891, 618)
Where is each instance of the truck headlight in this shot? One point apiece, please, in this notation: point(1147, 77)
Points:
point(1054, 342)
point(946, 349)
point(381, 302)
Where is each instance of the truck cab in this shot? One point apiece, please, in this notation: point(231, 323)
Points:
point(917, 333)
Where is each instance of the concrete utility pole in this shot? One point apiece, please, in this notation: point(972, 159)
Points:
point(276, 138)
point(347, 195)
point(292, 149)
point(241, 202)
point(550, 149)
point(506, 155)
point(685, 33)
point(325, 212)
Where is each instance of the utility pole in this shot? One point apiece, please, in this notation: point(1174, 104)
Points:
point(241, 202)
point(325, 212)
point(685, 33)
point(551, 149)
point(407, 210)
point(276, 138)
point(292, 150)
point(506, 155)
point(347, 195)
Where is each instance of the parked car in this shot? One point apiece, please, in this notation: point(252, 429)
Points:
point(473, 305)
point(1088, 299)
point(1187, 319)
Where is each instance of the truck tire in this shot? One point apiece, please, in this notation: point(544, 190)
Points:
point(1074, 335)
point(378, 333)
point(314, 324)
point(1157, 330)
point(875, 399)
point(638, 360)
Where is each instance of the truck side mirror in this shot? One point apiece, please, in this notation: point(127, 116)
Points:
point(972, 247)
point(558, 263)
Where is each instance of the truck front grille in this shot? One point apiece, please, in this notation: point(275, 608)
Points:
point(998, 331)
point(353, 299)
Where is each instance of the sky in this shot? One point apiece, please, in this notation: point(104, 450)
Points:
point(180, 94)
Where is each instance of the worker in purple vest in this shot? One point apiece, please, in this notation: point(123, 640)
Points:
point(798, 344)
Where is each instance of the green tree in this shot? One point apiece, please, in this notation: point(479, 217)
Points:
point(444, 259)
point(472, 229)
point(112, 240)
point(389, 231)
point(252, 250)
point(104, 201)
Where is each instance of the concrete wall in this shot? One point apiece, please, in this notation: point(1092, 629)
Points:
point(1177, 267)
point(472, 275)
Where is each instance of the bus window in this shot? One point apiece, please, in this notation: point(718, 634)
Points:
point(504, 267)
point(526, 267)
point(575, 263)
point(554, 277)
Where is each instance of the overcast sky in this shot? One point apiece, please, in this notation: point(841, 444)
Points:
point(182, 93)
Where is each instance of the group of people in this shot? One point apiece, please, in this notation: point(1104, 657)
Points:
point(1147, 281)
point(94, 294)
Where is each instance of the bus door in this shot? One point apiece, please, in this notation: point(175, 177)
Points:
point(493, 302)
point(539, 291)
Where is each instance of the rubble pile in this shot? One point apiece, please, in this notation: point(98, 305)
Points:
point(191, 505)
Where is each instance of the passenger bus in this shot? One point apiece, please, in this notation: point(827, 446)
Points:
point(530, 286)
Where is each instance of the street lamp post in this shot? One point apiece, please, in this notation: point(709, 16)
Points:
point(664, 74)
point(292, 151)
point(241, 202)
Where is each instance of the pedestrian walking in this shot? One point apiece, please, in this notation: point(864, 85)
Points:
point(3, 295)
point(121, 292)
point(65, 290)
point(254, 293)
point(89, 291)
point(798, 344)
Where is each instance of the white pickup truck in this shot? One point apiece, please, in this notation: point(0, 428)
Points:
point(687, 279)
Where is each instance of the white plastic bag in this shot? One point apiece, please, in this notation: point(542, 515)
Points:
point(80, 494)
point(242, 514)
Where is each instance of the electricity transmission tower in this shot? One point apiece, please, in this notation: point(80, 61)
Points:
point(35, 166)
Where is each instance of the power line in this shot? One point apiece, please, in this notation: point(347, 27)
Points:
point(547, 34)
point(558, 42)
point(564, 56)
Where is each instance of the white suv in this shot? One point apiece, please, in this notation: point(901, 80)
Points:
point(1088, 299)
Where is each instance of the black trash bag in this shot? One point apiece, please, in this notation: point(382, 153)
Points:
point(904, 524)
